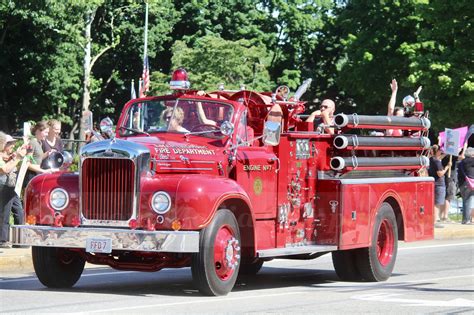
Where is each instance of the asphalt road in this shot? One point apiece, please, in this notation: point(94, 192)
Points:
point(429, 277)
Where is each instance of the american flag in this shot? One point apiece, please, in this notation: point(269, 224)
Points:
point(133, 94)
point(145, 86)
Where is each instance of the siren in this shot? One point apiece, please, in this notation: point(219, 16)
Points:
point(179, 80)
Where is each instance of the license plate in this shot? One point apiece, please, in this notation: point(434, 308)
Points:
point(98, 245)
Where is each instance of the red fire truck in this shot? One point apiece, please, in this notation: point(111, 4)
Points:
point(226, 180)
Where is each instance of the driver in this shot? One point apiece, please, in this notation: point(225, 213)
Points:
point(174, 120)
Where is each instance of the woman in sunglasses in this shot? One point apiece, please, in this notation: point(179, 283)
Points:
point(174, 120)
point(323, 117)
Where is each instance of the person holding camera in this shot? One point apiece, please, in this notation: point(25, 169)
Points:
point(9, 200)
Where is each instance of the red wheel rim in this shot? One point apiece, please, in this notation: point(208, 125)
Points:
point(385, 243)
point(226, 253)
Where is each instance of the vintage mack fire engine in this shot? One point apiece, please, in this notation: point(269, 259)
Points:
point(227, 180)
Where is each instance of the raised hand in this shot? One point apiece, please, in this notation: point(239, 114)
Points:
point(394, 85)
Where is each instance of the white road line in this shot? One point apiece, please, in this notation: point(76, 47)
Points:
point(395, 298)
point(436, 246)
point(83, 275)
point(207, 300)
point(441, 278)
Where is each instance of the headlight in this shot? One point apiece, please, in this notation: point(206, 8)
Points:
point(161, 202)
point(58, 199)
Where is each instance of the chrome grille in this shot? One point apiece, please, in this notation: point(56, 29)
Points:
point(108, 187)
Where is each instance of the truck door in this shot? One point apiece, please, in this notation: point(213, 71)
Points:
point(256, 173)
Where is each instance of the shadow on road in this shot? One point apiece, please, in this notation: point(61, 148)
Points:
point(178, 282)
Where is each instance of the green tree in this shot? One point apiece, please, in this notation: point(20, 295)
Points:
point(43, 75)
point(372, 34)
point(442, 60)
point(213, 60)
point(418, 42)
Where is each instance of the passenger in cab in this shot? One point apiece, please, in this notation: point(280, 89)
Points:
point(324, 117)
point(174, 120)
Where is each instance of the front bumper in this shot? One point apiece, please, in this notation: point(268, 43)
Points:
point(124, 240)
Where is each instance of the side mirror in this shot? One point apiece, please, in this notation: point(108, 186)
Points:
point(227, 128)
point(106, 126)
point(283, 91)
point(271, 133)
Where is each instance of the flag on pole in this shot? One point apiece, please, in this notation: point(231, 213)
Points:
point(145, 86)
point(133, 94)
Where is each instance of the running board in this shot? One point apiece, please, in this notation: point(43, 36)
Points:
point(297, 250)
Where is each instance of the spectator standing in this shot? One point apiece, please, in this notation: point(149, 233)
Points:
point(450, 179)
point(437, 171)
point(40, 132)
point(53, 141)
point(325, 116)
point(466, 182)
point(9, 200)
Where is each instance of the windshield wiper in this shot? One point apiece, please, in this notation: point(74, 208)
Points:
point(135, 130)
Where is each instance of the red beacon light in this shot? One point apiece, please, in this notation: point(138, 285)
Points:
point(179, 80)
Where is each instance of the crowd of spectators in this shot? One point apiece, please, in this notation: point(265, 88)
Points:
point(35, 152)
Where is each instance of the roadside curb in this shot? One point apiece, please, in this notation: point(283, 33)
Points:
point(450, 233)
point(19, 261)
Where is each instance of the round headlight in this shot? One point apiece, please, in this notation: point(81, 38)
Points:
point(161, 202)
point(58, 199)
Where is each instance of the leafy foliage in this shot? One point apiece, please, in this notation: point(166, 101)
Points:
point(352, 49)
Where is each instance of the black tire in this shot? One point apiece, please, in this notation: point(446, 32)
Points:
point(57, 267)
point(213, 273)
point(376, 262)
point(250, 269)
point(345, 264)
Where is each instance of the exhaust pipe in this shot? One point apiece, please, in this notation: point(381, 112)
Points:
point(354, 142)
point(381, 122)
point(339, 163)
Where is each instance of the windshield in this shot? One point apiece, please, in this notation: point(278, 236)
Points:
point(177, 116)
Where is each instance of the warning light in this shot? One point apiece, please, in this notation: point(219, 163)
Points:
point(179, 80)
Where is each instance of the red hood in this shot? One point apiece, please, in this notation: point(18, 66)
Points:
point(176, 153)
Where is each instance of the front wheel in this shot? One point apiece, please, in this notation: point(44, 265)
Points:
point(376, 262)
point(57, 267)
point(252, 268)
point(216, 266)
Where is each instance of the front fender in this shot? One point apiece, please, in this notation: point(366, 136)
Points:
point(199, 196)
point(37, 197)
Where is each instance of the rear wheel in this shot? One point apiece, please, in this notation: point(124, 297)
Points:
point(57, 267)
point(216, 266)
point(345, 264)
point(376, 262)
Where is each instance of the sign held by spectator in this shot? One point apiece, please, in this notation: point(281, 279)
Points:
point(452, 142)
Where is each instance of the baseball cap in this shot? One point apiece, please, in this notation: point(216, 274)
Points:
point(9, 139)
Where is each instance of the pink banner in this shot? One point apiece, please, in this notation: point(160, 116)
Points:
point(462, 137)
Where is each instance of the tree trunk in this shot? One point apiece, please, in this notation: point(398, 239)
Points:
point(86, 96)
